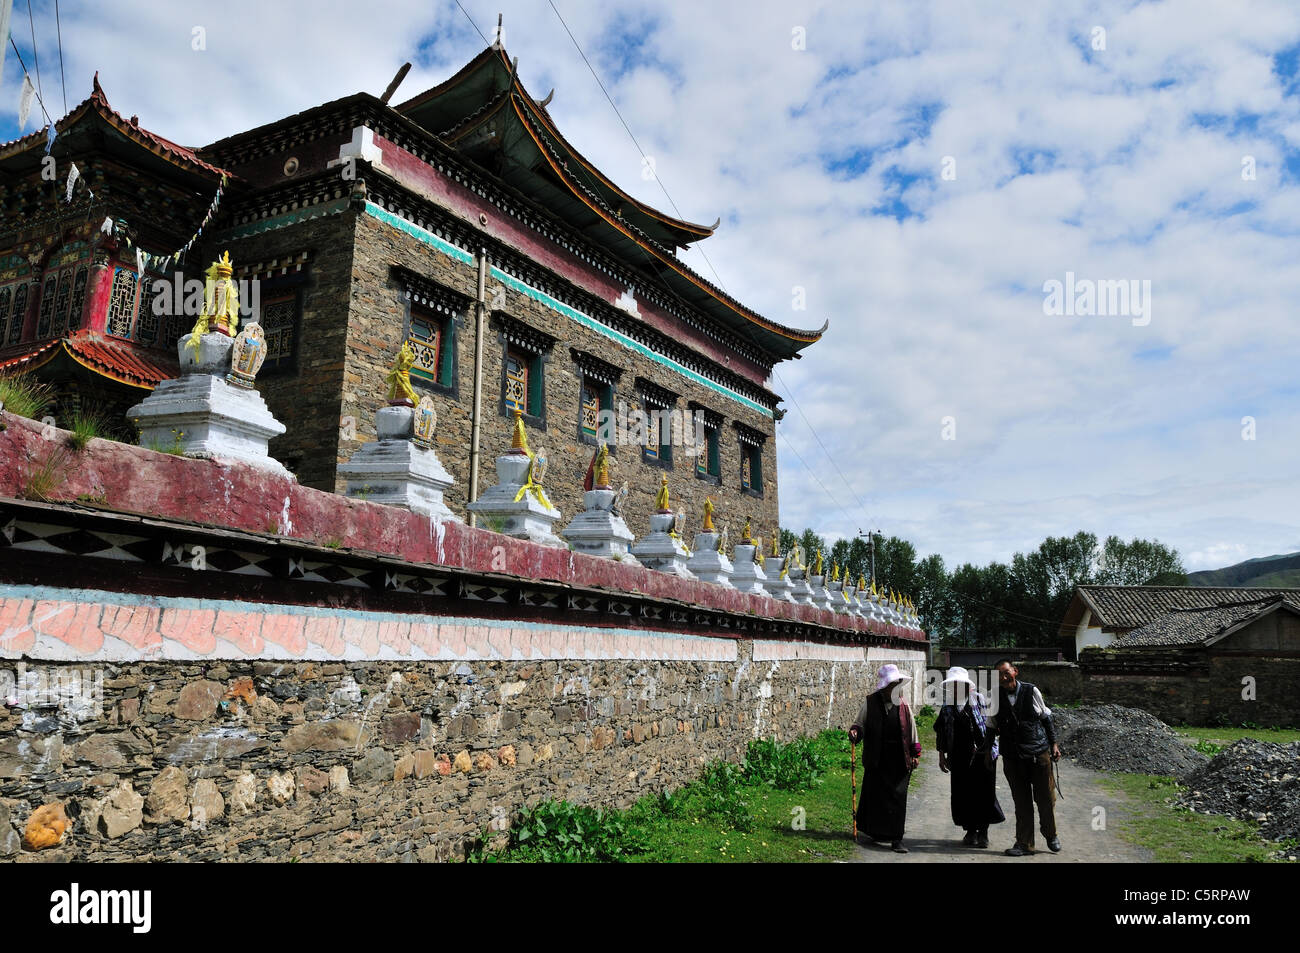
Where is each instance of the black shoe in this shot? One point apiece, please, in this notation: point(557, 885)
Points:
point(898, 848)
point(982, 840)
point(1017, 851)
point(1054, 845)
point(969, 839)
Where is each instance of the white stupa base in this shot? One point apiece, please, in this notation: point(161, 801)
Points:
point(820, 597)
point(747, 575)
point(778, 586)
point(397, 472)
point(598, 531)
point(526, 518)
point(800, 591)
point(708, 564)
point(662, 551)
point(205, 415)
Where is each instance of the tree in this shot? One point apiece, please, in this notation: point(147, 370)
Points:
point(1137, 563)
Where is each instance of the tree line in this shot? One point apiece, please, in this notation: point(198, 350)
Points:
point(1017, 603)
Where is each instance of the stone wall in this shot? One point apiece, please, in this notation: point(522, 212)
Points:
point(245, 759)
point(1060, 682)
point(1190, 686)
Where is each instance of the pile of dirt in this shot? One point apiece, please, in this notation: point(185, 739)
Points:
point(1114, 738)
point(1251, 780)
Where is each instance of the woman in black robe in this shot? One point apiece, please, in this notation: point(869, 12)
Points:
point(968, 751)
point(889, 754)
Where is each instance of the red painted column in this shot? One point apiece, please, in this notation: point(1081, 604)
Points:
point(99, 285)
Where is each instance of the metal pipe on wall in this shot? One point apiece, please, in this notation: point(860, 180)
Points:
point(480, 316)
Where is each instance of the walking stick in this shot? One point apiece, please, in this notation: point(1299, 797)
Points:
point(853, 790)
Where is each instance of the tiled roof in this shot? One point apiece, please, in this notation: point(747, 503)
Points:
point(1198, 625)
point(1129, 607)
point(98, 102)
point(122, 361)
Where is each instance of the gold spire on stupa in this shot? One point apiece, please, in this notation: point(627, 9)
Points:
point(519, 438)
point(661, 498)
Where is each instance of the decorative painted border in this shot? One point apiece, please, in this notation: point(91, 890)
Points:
point(48, 623)
point(459, 254)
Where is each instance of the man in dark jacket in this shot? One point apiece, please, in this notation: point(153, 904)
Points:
point(1027, 739)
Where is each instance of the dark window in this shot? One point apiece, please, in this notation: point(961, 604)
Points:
point(121, 303)
point(709, 462)
point(6, 300)
point(751, 468)
point(45, 320)
point(62, 301)
point(431, 338)
point(20, 313)
point(594, 396)
point(658, 447)
point(279, 320)
point(78, 299)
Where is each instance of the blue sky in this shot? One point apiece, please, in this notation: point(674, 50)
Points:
point(824, 160)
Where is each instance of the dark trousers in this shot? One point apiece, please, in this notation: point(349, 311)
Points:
point(1031, 783)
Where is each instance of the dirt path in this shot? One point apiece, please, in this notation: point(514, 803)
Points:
point(933, 838)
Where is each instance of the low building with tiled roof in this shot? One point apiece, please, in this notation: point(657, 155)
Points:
point(1100, 615)
point(1209, 625)
point(1232, 657)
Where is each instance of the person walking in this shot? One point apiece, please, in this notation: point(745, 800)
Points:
point(1028, 742)
point(968, 750)
point(890, 752)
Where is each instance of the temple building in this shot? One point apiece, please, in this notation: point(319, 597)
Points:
point(460, 221)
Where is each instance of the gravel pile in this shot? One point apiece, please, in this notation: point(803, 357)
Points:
point(1251, 780)
point(1114, 738)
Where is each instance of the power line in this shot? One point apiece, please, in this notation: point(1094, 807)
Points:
point(467, 17)
point(39, 101)
point(59, 27)
point(663, 188)
point(36, 57)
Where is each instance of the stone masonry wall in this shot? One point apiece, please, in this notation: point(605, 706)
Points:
point(375, 336)
point(251, 760)
point(1209, 692)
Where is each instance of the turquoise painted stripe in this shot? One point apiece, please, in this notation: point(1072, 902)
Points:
point(586, 320)
point(421, 234)
point(288, 218)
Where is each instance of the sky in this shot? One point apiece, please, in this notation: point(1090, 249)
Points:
point(916, 173)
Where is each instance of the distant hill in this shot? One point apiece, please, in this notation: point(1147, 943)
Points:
point(1280, 572)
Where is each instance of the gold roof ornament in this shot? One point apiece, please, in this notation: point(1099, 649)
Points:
point(399, 377)
point(708, 515)
point(661, 498)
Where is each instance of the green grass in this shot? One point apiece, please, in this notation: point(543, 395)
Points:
point(786, 803)
point(24, 396)
point(85, 428)
point(1175, 834)
point(1213, 740)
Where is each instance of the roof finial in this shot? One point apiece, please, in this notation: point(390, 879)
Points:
point(500, 35)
